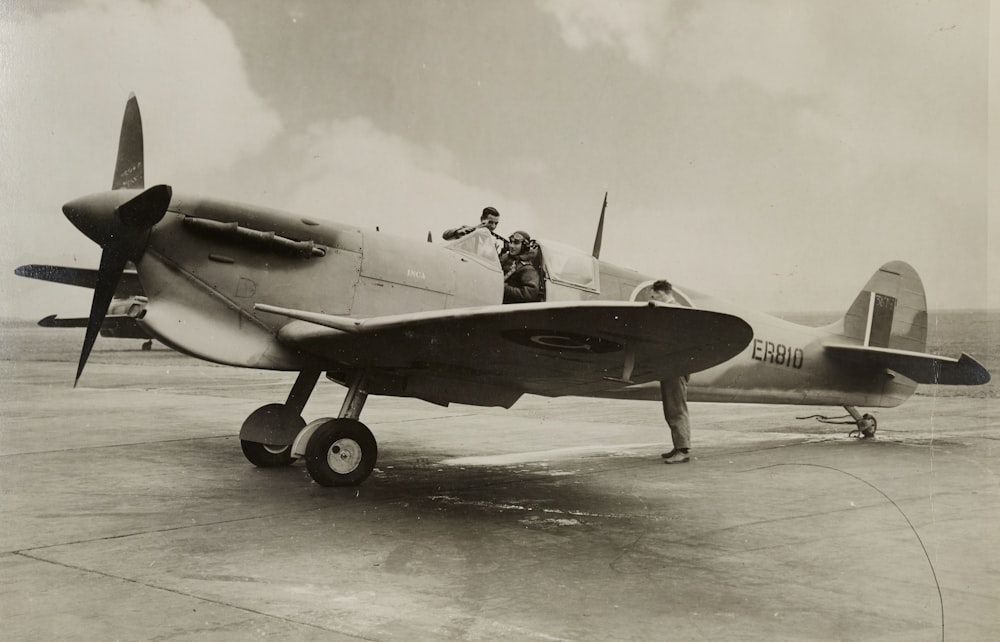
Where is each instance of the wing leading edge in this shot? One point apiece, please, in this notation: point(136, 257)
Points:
point(552, 349)
point(920, 367)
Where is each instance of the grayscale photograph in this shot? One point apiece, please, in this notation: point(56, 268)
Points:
point(499, 320)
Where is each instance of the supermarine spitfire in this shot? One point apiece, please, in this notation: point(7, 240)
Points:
point(257, 288)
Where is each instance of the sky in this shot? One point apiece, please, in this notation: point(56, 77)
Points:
point(774, 153)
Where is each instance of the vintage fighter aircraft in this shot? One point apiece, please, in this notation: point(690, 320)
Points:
point(127, 304)
point(257, 288)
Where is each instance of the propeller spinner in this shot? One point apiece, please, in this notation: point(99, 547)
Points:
point(120, 225)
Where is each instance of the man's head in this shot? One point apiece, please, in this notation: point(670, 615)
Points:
point(518, 242)
point(490, 217)
point(662, 291)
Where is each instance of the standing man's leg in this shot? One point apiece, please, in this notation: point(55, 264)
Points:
point(673, 393)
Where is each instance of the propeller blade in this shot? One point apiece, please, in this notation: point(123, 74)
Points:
point(129, 173)
point(112, 266)
point(146, 209)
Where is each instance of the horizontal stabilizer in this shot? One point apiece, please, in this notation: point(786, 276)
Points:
point(82, 277)
point(918, 366)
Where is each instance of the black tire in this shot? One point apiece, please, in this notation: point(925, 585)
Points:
point(342, 452)
point(265, 455)
point(266, 431)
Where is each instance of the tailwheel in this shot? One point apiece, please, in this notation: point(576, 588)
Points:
point(342, 452)
point(866, 424)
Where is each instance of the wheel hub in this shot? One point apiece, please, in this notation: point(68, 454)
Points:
point(343, 456)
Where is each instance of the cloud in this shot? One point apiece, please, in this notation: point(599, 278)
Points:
point(65, 78)
point(355, 173)
point(869, 125)
point(75, 68)
point(636, 27)
point(704, 44)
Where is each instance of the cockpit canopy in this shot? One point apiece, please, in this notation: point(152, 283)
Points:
point(567, 265)
point(567, 271)
point(478, 245)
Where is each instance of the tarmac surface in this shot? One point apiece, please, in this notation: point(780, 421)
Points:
point(129, 513)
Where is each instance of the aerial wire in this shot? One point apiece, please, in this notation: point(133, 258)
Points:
point(908, 522)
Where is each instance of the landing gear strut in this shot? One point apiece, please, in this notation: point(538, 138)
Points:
point(866, 424)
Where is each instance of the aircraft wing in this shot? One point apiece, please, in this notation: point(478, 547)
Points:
point(553, 349)
point(918, 366)
point(82, 277)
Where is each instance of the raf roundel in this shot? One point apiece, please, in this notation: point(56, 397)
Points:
point(561, 341)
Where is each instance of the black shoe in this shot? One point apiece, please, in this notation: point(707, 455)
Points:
point(677, 457)
point(669, 454)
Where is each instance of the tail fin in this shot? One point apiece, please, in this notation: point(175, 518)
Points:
point(890, 311)
point(889, 321)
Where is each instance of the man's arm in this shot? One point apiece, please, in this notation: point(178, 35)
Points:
point(456, 232)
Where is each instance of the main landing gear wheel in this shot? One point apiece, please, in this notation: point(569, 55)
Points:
point(267, 435)
point(266, 455)
point(342, 452)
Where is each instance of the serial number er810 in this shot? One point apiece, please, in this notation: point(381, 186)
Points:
point(777, 353)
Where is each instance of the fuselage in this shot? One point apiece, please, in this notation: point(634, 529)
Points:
point(208, 262)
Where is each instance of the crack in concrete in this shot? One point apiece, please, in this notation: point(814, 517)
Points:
point(207, 600)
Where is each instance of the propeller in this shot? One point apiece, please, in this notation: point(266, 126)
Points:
point(121, 227)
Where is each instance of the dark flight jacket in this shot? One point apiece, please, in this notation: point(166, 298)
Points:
point(523, 285)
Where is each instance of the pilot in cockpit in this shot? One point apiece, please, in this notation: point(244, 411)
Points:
point(522, 283)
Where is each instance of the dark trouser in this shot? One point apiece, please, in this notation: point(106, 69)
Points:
point(673, 393)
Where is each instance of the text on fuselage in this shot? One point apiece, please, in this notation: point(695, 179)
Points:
point(777, 353)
